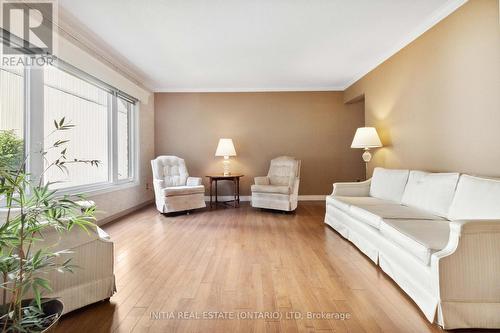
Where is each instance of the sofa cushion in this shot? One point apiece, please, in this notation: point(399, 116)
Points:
point(374, 214)
point(432, 192)
point(421, 238)
point(183, 190)
point(388, 184)
point(476, 198)
point(344, 203)
point(271, 189)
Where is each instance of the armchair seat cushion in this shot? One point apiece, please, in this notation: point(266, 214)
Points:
point(281, 189)
point(419, 237)
point(183, 190)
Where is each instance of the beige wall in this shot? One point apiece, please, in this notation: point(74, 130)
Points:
point(436, 103)
point(316, 127)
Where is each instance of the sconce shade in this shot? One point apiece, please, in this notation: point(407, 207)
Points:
point(225, 148)
point(366, 137)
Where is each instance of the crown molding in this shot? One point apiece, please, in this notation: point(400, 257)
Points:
point(77, 33)
point(438, 15)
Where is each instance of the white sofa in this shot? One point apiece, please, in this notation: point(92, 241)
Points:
point(91, 251)
point(174, 190)
point(93, 278)
point(437, 235)
point(280, 188)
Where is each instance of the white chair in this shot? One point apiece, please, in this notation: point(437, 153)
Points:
point(280, 188)
point(174, 190)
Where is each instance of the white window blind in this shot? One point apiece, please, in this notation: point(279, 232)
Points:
point(85, 106)
point(12, 100)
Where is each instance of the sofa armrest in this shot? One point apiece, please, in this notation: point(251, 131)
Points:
point(261, 180)
point(71, 239)
point(468, 268)
point(352, 189)
point(193, 181)
point(85, 204)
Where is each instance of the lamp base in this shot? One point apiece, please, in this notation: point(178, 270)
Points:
point(226, 163)
point(367, 156)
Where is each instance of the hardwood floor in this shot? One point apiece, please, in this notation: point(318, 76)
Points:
point(243, 261)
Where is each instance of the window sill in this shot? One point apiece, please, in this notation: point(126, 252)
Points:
point(88, 190)
point(97, 189)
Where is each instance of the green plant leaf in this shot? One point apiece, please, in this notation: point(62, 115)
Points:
point(37, 296)
point(44, 283)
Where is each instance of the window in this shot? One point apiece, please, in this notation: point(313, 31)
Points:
point(103, 118)
point(124, 114)
point(85, 106)
point(12, 116)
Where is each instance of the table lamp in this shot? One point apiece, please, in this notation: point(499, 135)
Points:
point(225, 148)
point(366, 138)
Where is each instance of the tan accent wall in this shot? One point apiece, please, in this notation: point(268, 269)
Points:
point(436, 103)
point(316, 127)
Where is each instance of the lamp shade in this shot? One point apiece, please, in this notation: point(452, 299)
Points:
point(366, 137)
point(225, 148)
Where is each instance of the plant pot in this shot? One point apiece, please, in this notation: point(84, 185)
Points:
point(50, 307)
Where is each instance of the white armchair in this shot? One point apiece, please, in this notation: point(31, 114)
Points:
point(280, 188)
point(174, 190)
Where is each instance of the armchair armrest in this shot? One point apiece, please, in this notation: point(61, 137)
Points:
point(158, 186)
point(352, 189)
point(193, 181)
point(261, 180)
point(295, 188)
point(468, 268)
point(159, 182)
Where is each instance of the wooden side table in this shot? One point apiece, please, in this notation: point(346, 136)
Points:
point(236, 188)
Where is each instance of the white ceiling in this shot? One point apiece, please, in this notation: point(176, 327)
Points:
point(256, 45)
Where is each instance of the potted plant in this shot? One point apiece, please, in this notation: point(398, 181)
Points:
point(31, 209)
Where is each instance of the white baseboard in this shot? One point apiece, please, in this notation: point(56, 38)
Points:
point(319, 197)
